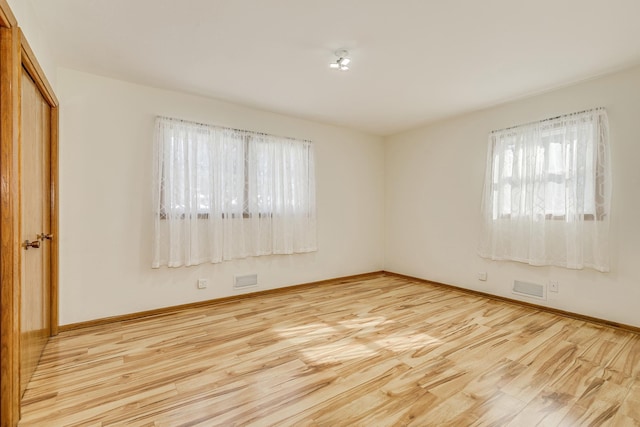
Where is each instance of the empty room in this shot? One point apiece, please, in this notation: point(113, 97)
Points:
point(319, 213)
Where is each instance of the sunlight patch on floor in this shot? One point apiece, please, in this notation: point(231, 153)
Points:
point(364, 342)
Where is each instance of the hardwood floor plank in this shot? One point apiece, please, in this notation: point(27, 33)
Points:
point(382, 351)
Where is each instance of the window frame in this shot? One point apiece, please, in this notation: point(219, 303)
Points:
point(598, 213)
point(247, 137)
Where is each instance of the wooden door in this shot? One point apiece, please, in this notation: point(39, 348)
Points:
point(35, 230)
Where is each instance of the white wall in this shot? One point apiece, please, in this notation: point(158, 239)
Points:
point(106, 135)
point(427, 182)
point(434, 178)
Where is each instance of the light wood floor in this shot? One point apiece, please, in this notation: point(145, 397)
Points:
point(377, 352)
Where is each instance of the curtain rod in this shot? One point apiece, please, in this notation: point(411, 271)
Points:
point(546, 120)
point(228, 128)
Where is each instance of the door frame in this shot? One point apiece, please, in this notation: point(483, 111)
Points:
point(15, 53)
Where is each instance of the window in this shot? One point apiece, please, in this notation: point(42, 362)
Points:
point(546, 196)
point(225, 193)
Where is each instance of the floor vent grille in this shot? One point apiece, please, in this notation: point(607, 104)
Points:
point(245, 281)
point(532, 290)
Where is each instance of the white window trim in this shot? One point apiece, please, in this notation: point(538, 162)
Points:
point(543, 215)
point(222, 193)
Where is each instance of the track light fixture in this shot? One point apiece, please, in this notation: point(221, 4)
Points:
point(342, 63)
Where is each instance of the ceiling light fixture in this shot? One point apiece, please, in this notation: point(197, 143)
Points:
point(342, 64)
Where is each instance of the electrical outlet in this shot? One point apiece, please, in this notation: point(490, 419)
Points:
point(482, 276)
point(202, 283)
point(553, 286)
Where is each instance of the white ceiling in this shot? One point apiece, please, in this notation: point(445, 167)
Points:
point(414, 61)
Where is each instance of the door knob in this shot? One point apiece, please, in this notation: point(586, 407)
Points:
point(44, 236)
point(27, 244)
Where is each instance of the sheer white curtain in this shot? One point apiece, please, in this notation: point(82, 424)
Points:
point(221, 194)
point(547, 193)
